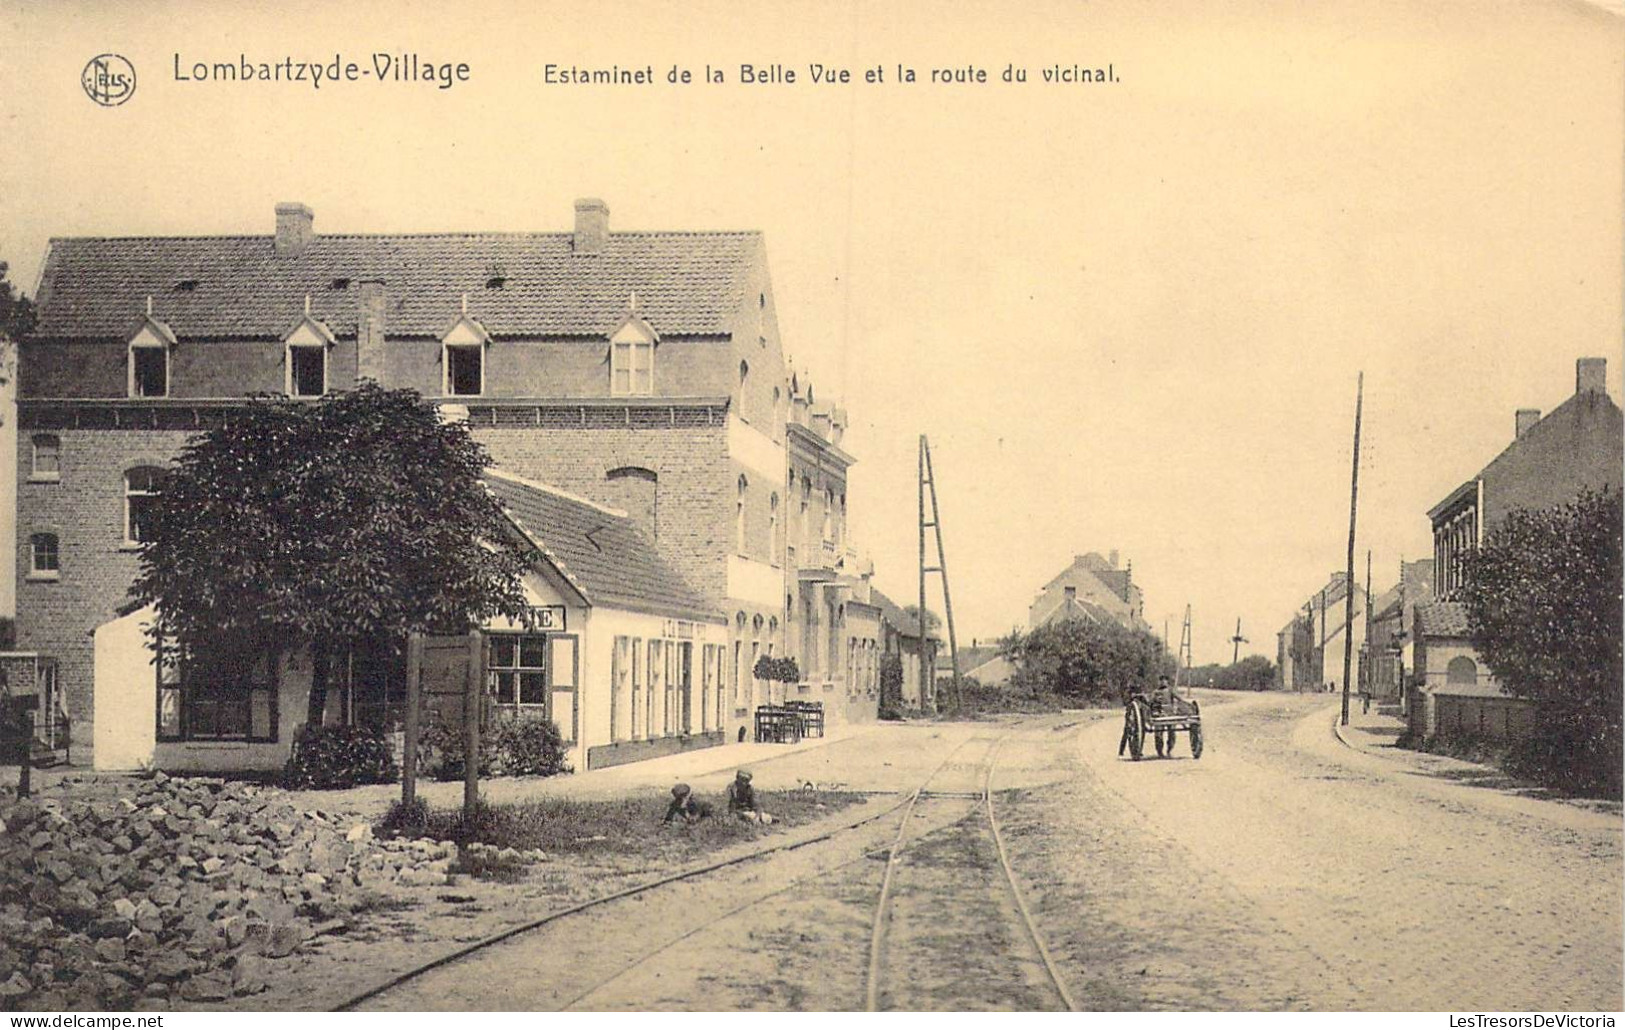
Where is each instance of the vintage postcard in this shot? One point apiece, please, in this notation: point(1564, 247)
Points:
point(1071, 505)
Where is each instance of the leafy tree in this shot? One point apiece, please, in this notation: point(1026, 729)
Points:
point(1084, 661)
point(1543, 598)
point(932, 621)
point(1254, 672)
point(358, 518)
point(17, 317)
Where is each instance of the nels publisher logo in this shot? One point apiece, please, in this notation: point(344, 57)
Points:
point(108, 79)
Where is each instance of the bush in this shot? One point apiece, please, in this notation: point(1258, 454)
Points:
point(780, 670)
point(440, 752)
point(336, 757)
point(511, 747)
point(1543, 609)
point(529, 747)
point(891, 686)
point(406, 820)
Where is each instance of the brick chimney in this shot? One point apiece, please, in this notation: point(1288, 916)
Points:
point(294, 229)
point(592, 226)
point(1527, 417)
point(1590, 375)
point(369, 331)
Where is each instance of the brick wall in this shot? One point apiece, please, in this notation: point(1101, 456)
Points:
point(86, 511)
point(541, 367)
point(1579, 445)
point(694, 491)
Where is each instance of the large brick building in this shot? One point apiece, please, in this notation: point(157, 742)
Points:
point(640, 370)
point(1579, 445)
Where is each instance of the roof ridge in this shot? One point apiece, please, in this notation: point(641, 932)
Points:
point(556, 491)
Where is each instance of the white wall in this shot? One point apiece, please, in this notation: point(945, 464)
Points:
point(126, 692)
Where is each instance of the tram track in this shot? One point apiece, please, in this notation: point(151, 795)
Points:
point(688, 874)
point(874, 987)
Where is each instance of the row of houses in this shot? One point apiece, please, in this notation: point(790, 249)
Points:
point(682, 488)
point(1413, 639)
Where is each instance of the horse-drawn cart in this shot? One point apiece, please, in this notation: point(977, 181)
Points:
point(1163, 723)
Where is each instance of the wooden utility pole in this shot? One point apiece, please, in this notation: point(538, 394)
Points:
point(920, 611)
point(929, 480)
point(1238, 640)
point(1354, 505)
point(1184, 649)
point(472, 697)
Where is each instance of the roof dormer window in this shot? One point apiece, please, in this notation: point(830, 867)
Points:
point(148, 357)
point(462, 356)
point(632, 355)
point(305, 350)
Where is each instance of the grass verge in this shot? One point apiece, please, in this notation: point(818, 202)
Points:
point(629, 827)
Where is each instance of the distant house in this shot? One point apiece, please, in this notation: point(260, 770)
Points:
point(1091, 588)
point(1309, 649)
point(1580, 445)
point(1389, 647)
point(902, 637)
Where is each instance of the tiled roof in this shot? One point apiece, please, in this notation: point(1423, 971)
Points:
point(1442, 618)
point(602, 553)
point(237, 286)
point(905, 624)
point(1072, 608)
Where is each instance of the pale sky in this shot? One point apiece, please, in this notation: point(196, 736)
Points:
point(1128, 316)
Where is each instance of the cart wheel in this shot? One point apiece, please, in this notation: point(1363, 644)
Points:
point(1136, 731)
point(1196, 740)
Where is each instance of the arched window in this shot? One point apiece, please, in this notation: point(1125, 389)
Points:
point(47, 463)
point(739, 516)
point(44, 561)
point(141, 489)
point(829, 516)
point(1461, 670)
point(806, 513)
point(744, 371)
point(773, 527)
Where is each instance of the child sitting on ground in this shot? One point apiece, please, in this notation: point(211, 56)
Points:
point(686, 805)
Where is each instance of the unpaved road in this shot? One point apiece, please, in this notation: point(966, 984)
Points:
point(1282, 871)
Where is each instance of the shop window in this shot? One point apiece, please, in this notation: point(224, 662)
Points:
point(518, 669)
point(218, 697)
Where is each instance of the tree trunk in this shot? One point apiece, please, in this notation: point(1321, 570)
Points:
point(320, 660)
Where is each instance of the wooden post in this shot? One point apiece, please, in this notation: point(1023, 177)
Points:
point(920, 611)
point(414, 703)
point(1354, 502)
point(472, 695)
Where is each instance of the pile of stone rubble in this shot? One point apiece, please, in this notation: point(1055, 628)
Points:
point(169, 891)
